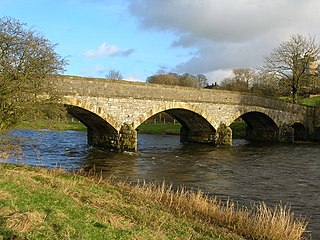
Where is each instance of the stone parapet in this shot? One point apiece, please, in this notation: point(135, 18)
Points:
point(112, 110)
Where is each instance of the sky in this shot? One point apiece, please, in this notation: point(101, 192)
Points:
point(140, 38)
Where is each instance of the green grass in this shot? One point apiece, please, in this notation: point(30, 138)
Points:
point(45, 204)
point(238, 130)
point(312, 102)
point(52, 125)
point(37, 203)
point(160, 128)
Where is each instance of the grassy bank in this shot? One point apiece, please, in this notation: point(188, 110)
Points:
point(52, 125)
point(311, 102)
point(49, 204)
point(238, 129)
point(160, 128)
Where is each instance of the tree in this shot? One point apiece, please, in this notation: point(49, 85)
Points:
point(202, 79)
point(266, 85)
point(27, 61)
point(187, 80)
point(241, 80)
point(292, 63)
point(114, 75)
point(164, 78)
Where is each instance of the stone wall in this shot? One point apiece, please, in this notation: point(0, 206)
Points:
point(96, 87)
point(205, 114)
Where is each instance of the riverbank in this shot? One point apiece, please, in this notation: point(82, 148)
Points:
point(52, 125)
point(238, 128)
point(51, 204)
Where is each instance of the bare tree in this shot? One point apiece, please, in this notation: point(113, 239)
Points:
point(292, 62)
point(202, 79)
point(114, 75)
point(241, 80)
point(27, 60)
point(187, 80)
point(164, 78)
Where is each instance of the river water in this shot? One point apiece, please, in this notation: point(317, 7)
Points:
point(245, 172)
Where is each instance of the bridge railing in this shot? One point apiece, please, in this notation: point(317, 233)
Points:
point(98, 87)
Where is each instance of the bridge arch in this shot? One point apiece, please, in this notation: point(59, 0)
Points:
point(271, 125)
point(262, 124)
point(300, 132)
point(261, 112)
point(88, 107)
point(100, 132)
point(196, 126)
point(173, 106)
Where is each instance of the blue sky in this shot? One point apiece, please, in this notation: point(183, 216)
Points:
point(141, 37)
point(97, 36)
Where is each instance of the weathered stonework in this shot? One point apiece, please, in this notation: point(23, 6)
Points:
point(286, 134)
point(127, 138)
point(223, 135)
point(112, 110)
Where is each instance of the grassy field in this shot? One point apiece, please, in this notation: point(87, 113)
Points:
point(315, 101)
point(52, 125)
point(37, 203)
point(311, 102)
point(160, 128)
point(238, 129)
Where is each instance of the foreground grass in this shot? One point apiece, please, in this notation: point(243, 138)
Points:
point(49, 204)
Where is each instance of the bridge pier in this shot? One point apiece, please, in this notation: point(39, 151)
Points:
point(284, 134)
point(223, 136)
point(124, 140)
point(128, 139)
point(262, 134)
point(196, 135)
point(102, 139)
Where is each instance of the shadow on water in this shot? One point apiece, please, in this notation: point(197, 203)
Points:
point(245, 172)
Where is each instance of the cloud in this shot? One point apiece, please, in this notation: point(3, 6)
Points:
point(225, 33)
point(108, 50)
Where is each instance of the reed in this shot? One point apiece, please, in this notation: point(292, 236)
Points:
point(258, 222)
point(53, 204)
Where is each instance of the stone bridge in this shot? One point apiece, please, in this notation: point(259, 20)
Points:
point(112, 111)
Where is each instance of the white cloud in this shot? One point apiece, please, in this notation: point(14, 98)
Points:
point(133, 79)
point(227, 33)
point(107, 50)
point(218, 75)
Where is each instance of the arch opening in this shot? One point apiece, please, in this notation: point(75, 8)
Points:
point(191, 126)
point(238, 128)
point(99, 132)
point(260, 127)
point(300, 132)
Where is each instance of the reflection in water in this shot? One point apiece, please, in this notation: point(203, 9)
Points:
point(246, 172)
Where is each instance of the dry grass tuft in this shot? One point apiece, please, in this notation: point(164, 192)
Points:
point(260, 222)
point(24, 222)
point(8, 150)
point(4, 195)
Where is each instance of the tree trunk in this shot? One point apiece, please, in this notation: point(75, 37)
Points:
point(294, 94)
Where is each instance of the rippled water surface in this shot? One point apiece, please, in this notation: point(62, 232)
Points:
point(246, 172)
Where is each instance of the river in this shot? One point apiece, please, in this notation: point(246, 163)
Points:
point(245, 172)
